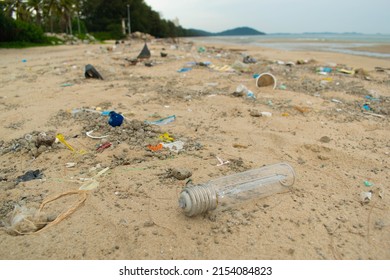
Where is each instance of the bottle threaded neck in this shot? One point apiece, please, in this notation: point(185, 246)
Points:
point(198, 199)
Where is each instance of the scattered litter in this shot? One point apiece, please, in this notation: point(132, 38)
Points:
point(24, 60)
point(241, 67)
point(29, 176)
point(375, 115)
point(90, 185)
point(79, 110)
point(101, 172)
point(224, 68)
point(166, 137)
point(336, 101)
point(345, 71)
point(372, 98)
point(242, 90)
point(255, 76)
point(61, 138)
point(204, 63)
point(366, 107)
point(155, 148)
point(25, 220)
point(324, 70)
point(266, 79)
point(283, 87)
point(70, 164)
point(249, 60)
point(66, 85)
point(266, 114)
point(211, 84)
point(115, 119)
point(368, 184)
point(183, 70)
point(176, 146)
point(163, 54)
point(162, 121)
point(365, 197)
point(145, 53)
point(104, 146)
point(92, 73)
point(88, 133)
point(201, 49)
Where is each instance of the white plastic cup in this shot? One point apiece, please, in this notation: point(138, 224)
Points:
point(265, 80)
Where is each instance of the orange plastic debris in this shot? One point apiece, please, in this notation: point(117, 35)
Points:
point(156, 147)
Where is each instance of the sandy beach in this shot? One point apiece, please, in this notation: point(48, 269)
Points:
point(332, 127)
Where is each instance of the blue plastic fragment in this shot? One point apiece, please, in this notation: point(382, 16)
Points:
point(162, 121)
point(183, 70)
point(115, 119)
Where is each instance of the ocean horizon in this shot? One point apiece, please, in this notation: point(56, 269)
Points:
point(348, 43)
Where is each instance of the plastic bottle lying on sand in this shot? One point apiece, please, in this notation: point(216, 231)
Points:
point(236, 188)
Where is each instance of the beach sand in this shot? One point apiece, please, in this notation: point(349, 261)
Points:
point(338, 150)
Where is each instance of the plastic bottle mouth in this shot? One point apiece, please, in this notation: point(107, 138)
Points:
point(198, 199)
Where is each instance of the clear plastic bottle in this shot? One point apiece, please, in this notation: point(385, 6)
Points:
point(236, 188)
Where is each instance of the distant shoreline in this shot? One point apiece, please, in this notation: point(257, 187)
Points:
point(362, 45)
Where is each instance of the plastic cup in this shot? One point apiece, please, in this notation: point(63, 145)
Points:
point(265, 80)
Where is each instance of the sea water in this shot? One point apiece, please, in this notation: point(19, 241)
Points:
point(341, 43)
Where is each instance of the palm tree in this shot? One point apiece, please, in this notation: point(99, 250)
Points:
point(62, 10)
point(17, 7)
point(35, 7)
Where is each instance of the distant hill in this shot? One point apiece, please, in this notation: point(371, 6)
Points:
point(239, 31)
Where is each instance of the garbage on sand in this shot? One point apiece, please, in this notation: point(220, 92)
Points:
point(368, 184)
point(115, 119)
point(183, 70)
point(92, 73)
point(241, 67)
point(23, 220)
point(145, 53)
point(324, 70)
point(162, 121)
point(365, 197)
point(266, 79)
point(166, 137)
point(155, 148)
point(223, 68)
point(61, 138)
point(92, 183)
point(201, 49)
point(104, 146)
point(249, 60)
point(176, 146)
point(89, 134)
point(231, 190)
point(366, 107)
point(29, 176)
point(242, 90)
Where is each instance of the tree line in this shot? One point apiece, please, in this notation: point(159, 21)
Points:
point(92, 16)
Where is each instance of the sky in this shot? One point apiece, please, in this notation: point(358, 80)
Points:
point(279, 16)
